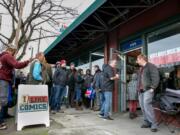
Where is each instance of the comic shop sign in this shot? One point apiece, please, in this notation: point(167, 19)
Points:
point(33, 103)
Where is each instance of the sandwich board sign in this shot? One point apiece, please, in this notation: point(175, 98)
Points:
point(32, 106)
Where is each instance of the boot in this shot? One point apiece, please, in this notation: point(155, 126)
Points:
point(77, 105)
point(131, 116)
point(80, 106)
point(96, 108)
point(135, 115)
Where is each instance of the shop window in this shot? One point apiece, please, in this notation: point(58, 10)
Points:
point(164, 52)
point(164, 46)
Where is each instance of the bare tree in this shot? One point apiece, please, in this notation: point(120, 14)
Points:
point(49, 12)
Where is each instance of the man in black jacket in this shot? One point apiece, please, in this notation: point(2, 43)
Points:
point(96, 86)
point(71, 84)
point(107, 88)
point(148, 82)
point(60, 82)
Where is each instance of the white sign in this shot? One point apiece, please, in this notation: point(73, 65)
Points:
point(33, 106)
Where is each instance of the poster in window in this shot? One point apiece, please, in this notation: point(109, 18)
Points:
point(177, 54)
point(170, 56)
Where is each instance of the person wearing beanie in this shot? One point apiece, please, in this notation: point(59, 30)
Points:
point(60, 82)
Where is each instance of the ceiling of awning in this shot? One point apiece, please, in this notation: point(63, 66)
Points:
point(98, 19)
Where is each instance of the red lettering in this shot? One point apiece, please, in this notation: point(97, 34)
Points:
point(37, 99)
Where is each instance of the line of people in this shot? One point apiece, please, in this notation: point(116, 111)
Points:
point(70, 85)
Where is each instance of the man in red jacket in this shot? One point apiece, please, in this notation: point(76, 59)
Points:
point(7, 64)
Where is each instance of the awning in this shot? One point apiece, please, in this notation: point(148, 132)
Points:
point(102, 16)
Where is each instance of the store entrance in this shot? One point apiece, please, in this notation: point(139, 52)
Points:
point(128, 67)
point(131, 75)
point(131, 65)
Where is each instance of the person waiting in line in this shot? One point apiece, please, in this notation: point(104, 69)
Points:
point(21, 78)
point(71, 83)
point(133, 96)
point(35, 73)
point(12, 98)
point(88, 79)
point(96, 86)
point(60, 80)
point(78, 89)
point(47, 75)
point(148, 81)
point(107, 88)
point(7, 65)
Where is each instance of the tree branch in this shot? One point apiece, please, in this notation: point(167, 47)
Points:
point(49, 36)
point(47, 12)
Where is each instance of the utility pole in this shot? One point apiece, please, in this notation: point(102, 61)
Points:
point(32, 49)
point(19, 22)
point(39, 41)
point(0, 20)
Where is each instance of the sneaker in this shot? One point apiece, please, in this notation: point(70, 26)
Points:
point(8, 116)
point(145, 126)
point(4, 124)
point(108, 118)
point(96, 109)
point(154, 130)
point(53, 112)
point(100, 115)
point(60, 111)
point(3, 127)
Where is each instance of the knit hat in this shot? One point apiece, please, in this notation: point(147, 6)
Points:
point(63, 62)
point(72, 63)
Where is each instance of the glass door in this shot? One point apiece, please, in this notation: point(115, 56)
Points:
point(122, 83)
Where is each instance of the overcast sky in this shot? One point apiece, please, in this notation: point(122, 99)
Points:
point(80, 5)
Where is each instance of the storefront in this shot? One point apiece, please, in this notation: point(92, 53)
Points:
point(130, 50)
point(130, 27)
point(162, 48)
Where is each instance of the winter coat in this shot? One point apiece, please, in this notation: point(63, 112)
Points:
point(150, 77)
point(60, 77)
point(35, 74)
point(78, 81)
point(96, 80)
point(7, 65)
point(132, 88)
point(108, 84)
point(88, 79)
point(71, 78)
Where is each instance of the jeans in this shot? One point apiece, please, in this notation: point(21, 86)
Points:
point(78, 95)
point(3, 98)
point(145, 101)
point(98, 99)
point(58, 97)
point(106, 103)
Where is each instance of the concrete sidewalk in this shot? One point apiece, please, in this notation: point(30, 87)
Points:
point(87, 122)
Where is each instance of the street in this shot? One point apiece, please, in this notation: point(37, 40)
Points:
point(87, 122)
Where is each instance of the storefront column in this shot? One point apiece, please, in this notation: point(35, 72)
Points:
point(112, 42)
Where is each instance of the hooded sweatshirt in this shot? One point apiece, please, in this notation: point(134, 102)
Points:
point(7, 65)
